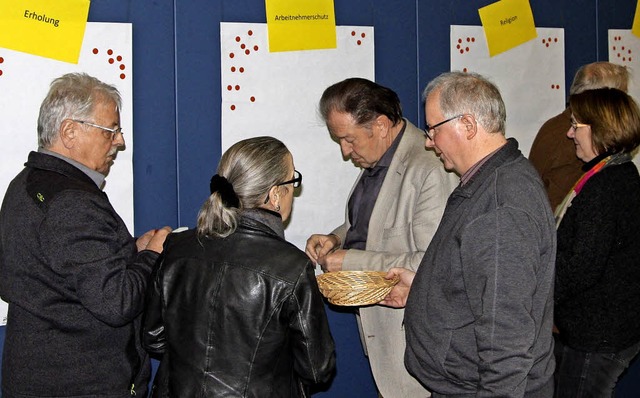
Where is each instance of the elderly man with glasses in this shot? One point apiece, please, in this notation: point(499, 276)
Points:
point(73, 276)
point(479, 311)
point(393, 212)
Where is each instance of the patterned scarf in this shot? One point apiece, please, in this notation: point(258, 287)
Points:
point(577, 187)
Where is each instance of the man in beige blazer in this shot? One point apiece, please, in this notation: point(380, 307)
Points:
point(394, 209)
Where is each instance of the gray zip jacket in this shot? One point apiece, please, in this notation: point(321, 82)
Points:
point(479, 316)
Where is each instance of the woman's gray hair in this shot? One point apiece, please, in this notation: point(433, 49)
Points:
point(71, 96)
point(252, 167)
point(464, 93)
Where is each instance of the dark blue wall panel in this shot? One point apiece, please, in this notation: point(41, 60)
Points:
point(177, 100)
point(154, 98)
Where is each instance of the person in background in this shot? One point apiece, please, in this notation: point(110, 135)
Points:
point(233, 306)
point(597, 291)
point(479, 310)
point(552, 154)
point(392, 213)
point(73, 276)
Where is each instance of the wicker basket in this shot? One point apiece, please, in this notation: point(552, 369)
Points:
point(351, 288)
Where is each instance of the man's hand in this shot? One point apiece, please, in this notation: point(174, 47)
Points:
point(397, 297)
point(153, 239)
point(318, 246)
point(332, 262)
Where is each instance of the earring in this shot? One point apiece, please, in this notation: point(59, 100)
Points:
point(278, 207)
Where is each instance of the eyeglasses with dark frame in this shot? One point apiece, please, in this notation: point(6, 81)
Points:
point(429, 128)
point(296, 181)
point(112, 131)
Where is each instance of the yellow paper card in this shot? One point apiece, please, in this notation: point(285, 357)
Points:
point(507, 24)
point(636, 21)
point(295, 25)
point(51, 29)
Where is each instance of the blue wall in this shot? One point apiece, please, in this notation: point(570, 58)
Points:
point(176, 47)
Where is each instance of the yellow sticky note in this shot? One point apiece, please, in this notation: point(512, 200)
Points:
point(507, 24)
point(636, 21)
point(51, 29)
point(295, 25)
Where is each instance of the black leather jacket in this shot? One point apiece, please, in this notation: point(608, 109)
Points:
point(240, 316)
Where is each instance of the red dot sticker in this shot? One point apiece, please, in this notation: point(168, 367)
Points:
point(247, 52)
point(238, 38)
point(233, 69)
point(122, 67)
point(353, 33)
point(0, 72)
point(233, 107)
point(241, 69)
point(237, 87)
point(110, 51)
point(362, 35)
point(1, 60)
point(250, 33)
point(111, 60)
point(229, 87)
point(122, 76)
point(119, 58)
point(252, 99)
point(243, 46)
point(255, 48)
point(359, 42)
point(95, 50)
point(232, 55)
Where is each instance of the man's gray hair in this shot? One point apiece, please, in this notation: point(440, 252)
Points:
point(464, 93)
point(600, 75)
point(71, 96)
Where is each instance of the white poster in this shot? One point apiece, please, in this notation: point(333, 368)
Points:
point(24, 82)
point(530, 76)
point(277, 94)
point(624, 49)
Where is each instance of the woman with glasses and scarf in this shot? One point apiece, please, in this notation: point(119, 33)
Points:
point(233, 307)
point(597, 291)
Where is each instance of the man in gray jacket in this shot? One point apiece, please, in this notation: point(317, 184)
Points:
point(479, 312)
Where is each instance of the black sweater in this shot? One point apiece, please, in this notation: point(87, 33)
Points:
point(597, 292)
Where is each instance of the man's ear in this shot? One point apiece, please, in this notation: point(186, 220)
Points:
point(470, 126)
point(383, 125)
point(67, 133)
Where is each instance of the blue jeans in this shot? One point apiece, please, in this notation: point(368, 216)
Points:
point(582, 374)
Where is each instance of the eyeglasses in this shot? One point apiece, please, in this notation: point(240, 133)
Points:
point(296, 181)
point(112, 131)
point(575, 125)
point(429, 128)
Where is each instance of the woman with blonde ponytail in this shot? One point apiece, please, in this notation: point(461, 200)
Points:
point(233, 308)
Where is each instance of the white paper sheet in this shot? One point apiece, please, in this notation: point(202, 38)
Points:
point(624, 49)
point(530, 77)
point(286, 88)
